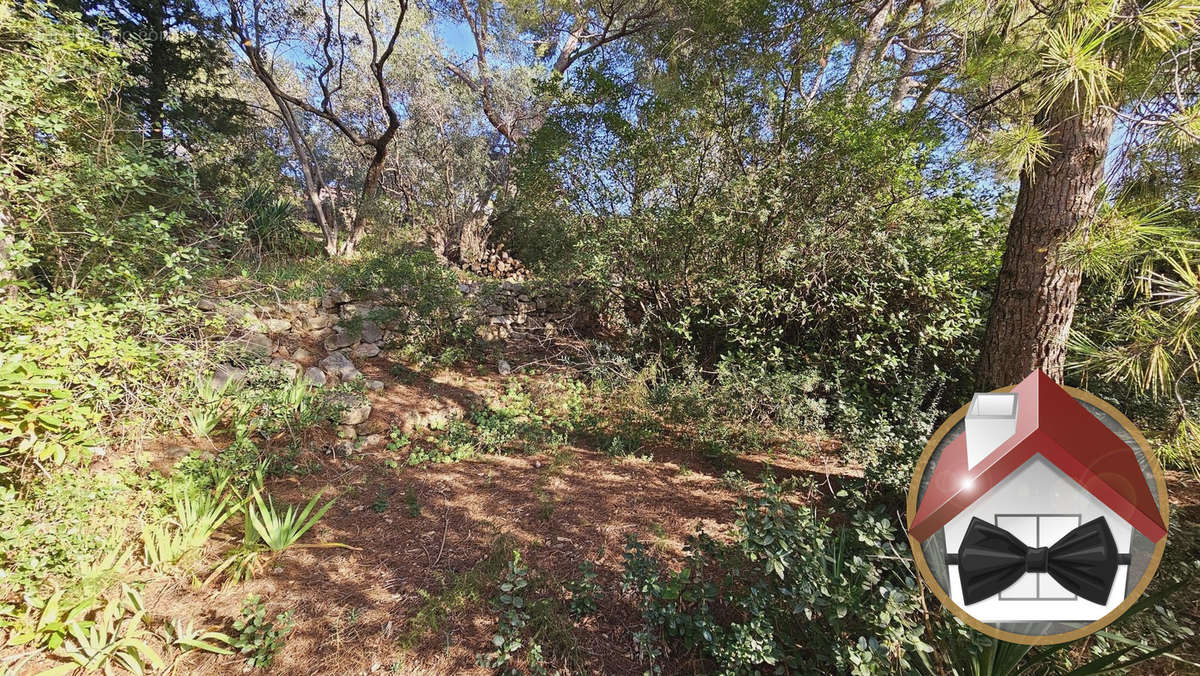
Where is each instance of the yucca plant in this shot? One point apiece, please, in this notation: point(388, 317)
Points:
point(205, 413)
point(280, 529)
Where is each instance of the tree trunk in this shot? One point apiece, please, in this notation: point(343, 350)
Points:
point(1036, 293)
point(868, 44)
point(370, 190)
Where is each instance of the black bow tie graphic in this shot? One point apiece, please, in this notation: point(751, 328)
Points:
point(991, 559)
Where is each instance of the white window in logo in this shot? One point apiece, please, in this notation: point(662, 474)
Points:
point(1037, 530)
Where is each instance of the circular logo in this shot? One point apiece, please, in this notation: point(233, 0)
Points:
point(1037, 513)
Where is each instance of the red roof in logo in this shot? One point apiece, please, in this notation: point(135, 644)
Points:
point(1050, 422)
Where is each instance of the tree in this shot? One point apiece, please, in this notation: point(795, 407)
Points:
point(349, 38)
point(515, 99)
point(178, 63)
point(1063, 74)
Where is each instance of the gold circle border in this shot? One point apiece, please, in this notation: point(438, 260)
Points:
point(1030, 639)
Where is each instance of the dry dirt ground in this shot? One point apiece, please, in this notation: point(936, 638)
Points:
point(409, 597)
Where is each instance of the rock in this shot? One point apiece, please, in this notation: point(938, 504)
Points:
point(206, 304)
point(277, 325)
point(371, 333)
point(320, 334)
point(227, 374)
point(354, 409)
point(303, 356)
point(504, 368)
point(365, 350)
point(376, 425)
point(319, 320)
point(340, 365)
point(335, 297)
point(339, 339)
point(256, 344)
point(375, 385)
point(288, 368)
point(315, 376)
point(346, 432)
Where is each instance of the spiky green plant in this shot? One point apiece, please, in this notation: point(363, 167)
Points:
point(279, 529)
point(184, 636)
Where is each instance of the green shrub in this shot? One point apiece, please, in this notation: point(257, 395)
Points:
point(120, 360)
point(92, 206)
point(791, 592)
point(39, 420)
point(258, 638)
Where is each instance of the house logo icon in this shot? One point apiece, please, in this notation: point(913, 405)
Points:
point(1037, 513)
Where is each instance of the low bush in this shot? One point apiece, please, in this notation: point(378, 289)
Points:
point(792, 592)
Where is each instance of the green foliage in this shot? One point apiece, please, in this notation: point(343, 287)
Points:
point(91, 207)
point(55, 529)
point(850, 587)
point(115, 634)
point(116, 364)
point(583, 591)
point(39, 421)
point(197, 514)
point(521, 421)
point(258, 638)
point(185, 637)
point(512, 606)
point(277, 529)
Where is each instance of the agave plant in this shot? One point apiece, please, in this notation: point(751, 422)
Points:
point(115, 635)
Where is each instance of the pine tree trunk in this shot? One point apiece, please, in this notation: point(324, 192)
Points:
point(1036, 293)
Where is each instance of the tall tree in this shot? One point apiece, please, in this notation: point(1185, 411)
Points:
point(1057, 79)
point(179, 63)
point(562, 34)
point(349, 38)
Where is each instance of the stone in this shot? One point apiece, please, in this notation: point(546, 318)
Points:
point(375, 385)
point(335, 297)
point(319, 320)
point(303, 356)
point(206, 304)
point(277, 325)
point(315, 376)
point(346, 432)
point(339, 365)
point(365, 350)
point(504, 367)
point(376, 425)
point(339, 339)
point(320, 334)
point(371, 333)
point(288, 368)
point(227, 374)
point(355, 410)
point(256, 344)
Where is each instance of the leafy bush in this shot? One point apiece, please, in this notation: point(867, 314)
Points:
point(119, 361)
point(53, 530)
point(39, 421)
point(792, 591)
point(258, 638)
point(91, 205)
